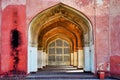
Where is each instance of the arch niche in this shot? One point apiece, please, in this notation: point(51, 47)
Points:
point(65, 23)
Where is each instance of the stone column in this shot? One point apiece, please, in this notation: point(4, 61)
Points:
point(80, 59)
point(72, 59)
point(40, 58)
point(32, 59)
point(87, 59)
point(44, 59)
point(0, 27)
point(92, 60)
point(75, 59)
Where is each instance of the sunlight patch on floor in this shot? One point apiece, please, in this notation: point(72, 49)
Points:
point(75, 71)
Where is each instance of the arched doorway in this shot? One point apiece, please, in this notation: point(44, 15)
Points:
point(64, 24)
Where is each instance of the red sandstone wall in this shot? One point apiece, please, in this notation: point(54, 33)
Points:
point(8, 24)
point(0, 33)
point(102, 35)
point(115, 37)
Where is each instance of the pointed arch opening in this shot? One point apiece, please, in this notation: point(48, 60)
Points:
point(65, 23)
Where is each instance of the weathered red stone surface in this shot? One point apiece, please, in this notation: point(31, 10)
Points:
point(9, 23)
point(114, 18)
point(115, 65)
point(0, 32)
point(115, 35)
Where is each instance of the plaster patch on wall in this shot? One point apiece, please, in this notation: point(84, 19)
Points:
point(103, 66)
point(5, 3)
point(99, 2)
point(97, 30)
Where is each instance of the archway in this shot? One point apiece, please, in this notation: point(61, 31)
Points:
point(64, 22)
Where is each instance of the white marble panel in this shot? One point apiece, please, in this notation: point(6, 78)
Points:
point(32, 59)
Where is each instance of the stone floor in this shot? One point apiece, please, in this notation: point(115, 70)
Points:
point(56, 73)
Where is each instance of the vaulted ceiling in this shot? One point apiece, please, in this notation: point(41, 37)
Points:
point(59, 21)
point(62, 29)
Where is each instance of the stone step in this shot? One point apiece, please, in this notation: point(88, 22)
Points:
point(60, 67)
point(60, 73)
point(62, 76)
point(53, 71)
point(51, 68)
point(57, 66)
point(72, 70)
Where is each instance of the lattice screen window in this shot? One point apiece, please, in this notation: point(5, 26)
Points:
point(59, 50)
point(59, 42)
point(66, 44)
point(66, 50)
point(51, 58)
point(66, 58)
point(58, 58)
point(52, 44)
point(51, 50)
